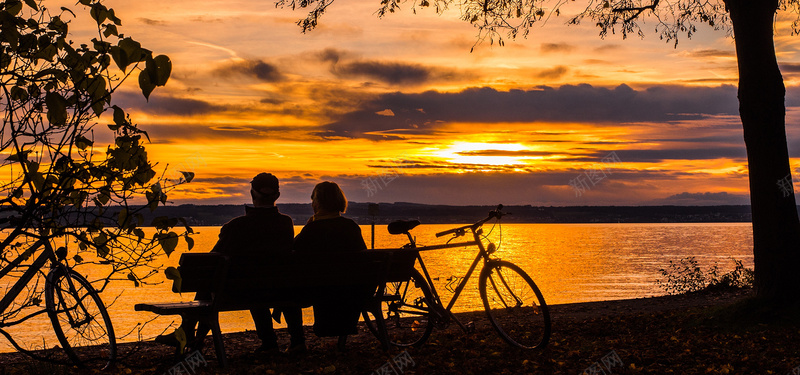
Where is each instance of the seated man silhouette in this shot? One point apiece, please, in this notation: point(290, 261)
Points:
point(260, 234)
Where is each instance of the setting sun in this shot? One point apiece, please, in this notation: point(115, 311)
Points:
point(476, 154)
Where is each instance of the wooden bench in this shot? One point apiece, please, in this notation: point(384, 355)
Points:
point(288, 280)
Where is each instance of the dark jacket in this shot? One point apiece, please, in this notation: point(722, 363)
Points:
point(262, 231)
point(336, 309)
point(330, 235)
point(253, 240)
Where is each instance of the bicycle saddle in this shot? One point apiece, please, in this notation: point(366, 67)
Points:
point(402, 226)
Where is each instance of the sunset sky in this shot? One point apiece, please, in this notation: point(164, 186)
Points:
point(401, 105)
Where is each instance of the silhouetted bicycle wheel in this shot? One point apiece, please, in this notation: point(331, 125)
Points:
point(407, 312)
point(514, 305)
point(80, 319)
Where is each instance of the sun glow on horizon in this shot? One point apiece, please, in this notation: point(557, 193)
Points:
point(483, 153)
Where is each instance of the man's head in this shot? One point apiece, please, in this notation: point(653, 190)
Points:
point(264, 190)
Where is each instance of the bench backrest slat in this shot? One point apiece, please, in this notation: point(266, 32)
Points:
point(201, 272)
point(248, 278)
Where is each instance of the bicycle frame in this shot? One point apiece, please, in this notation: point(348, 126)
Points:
point(26, 277)
point(482, 255)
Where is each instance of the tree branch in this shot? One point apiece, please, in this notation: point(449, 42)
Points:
point(638, 10)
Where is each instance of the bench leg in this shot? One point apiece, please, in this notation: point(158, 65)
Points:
point(219, 346)
point(380, 323)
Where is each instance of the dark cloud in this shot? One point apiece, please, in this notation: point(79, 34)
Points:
point(392, 73)
point(556, 47)
point(207, 19)
point(274, 101)
point(345, 65)
point(468, 188)
point(554, 73)
point(790, 67)
point(706, 53)
point(649, 156)
point(607, 48)
point(165, 105)
point(332, 55)
point(219, 132)
point(596, 62)
point(731, 139)
point(252, 68)
point(584, 103)
point(152, 22)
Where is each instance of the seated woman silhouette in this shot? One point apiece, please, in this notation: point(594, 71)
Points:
point(328, 231)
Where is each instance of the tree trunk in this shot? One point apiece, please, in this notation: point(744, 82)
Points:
point(776, 229)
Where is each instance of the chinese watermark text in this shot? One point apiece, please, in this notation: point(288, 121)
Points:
point(609, 361)
point(189, 365)
point(396, 366)
point(379, 181)
point(592, 176)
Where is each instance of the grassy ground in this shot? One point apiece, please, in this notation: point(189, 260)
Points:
point(709, 333)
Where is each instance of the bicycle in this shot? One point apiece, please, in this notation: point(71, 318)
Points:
point(513, 303)
point(79, 317)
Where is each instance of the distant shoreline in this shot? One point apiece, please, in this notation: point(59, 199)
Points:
point(211, 215)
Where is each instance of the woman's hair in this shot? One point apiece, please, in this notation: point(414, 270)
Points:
point(330, 197)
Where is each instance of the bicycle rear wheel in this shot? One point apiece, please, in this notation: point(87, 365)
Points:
point(406, 311)
point(514, 305)
point(80, 319)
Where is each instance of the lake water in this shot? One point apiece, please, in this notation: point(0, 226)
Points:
point(569, 263)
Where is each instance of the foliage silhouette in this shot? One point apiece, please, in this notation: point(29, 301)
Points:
point(66, 180)
point(686, 276)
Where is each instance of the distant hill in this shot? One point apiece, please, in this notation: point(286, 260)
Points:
point(441, 214)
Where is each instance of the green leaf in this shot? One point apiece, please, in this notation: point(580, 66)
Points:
point(82, 142)
point(164, 222)
point(119, 56)
point(133, 278)
point(110, 30)
point(56, 108)
point(139, 233)
point(22, 155)
point(122, 217)
point(113, 17)
point(173, 274)
point(119, 116)
point(159, 69)
point(187, 176)
point(13, 7)
point(18, 94)
point(98, 107)
point(168, 242)
point(98, 12)
point(32, 4)
point(145, 84)
point(189, 241)
point(101, 244)
point(133, 50)
point(152, 200)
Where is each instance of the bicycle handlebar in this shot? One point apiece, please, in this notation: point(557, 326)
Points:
point(496, 213)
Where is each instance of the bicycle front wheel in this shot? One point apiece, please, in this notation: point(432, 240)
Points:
point(514, 305)
point(80, 319)
point(406, 311)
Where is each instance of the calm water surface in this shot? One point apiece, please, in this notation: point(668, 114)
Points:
point(569, 263)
